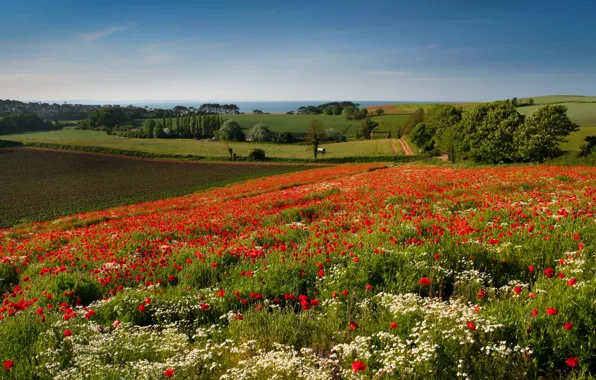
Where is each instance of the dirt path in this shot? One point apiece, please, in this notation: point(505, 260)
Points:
point(404, 146)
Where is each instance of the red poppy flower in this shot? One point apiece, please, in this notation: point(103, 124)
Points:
point(481, 293)
point(572, 362)
point(471, 325)
point(517, 289)
point(142, 308)
point(116, 323)
point(531, 268)
point(534, 312)
point(368, 287)
point(568, 326)
point(321, 273)
point(424, 281)
point(169, 372)
point(549, 272)
point(551, 311)
point(239, 317)
point(358, 366)
point(571, 281)
point(353, 326)
point(393, 325)
point(344, 292)
point(8, 364)
point(67, 333)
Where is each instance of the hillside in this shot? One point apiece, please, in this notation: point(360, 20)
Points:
point(549, 99)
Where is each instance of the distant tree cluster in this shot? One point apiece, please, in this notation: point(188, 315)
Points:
point(50, 111)
point(494, 132)
point(217, 109)
point(331, 108)
point(21, 123)
point(515, 102)
point(353, 113)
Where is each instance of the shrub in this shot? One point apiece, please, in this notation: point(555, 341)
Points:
point(230, 131)
point(257, 154)
point(380, 111)
point(284, 138)
point(260, 132)
point(332, 135)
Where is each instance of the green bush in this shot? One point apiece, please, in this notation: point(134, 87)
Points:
point(8, 277)
point(257, 154)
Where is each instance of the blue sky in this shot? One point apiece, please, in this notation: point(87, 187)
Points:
point(281, 50)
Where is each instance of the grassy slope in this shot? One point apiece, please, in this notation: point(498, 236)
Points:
point(203, 148)
point(561, 99)
point(40, 185)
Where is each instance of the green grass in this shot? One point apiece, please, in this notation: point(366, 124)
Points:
point(40, 185)
point(295, 123)
point(83, 138)
point(583, 114)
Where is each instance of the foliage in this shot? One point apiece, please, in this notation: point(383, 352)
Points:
point(422, 136)
point(588, 148)
point(332, 135)
point(230, 131)
point(353, 113)
point(539, 137)
point(149, 128)
point(414, 119)
point(20, 123)
point(379, 111)
point(260, 132)
point(257, 154)
point(283, 138)
point(486, 132)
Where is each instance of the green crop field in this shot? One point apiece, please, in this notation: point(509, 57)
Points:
point(583, 114)
point(390, 126)
point(203, 148)
point(40, 185)
point(293, 123)
point(408, 108)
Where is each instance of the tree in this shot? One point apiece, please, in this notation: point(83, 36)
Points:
point(284, 137)
point(260, 132)
point(149, 128)
point(589, 148)
point(423, 135)
point(332, 135)
point(414, 119)
point(530, 102)
point(231, 131)
point(159, 132)
point(315, 136)
point(328, 111)
point(259, 112)
point(486, 132)
point(366, 128)
point(539, 137)
point(337, 110)
point(379, 111)
point(514, 102)
point(350, 112)
point(256, 154)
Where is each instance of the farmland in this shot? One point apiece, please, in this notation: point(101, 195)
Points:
point(408, 108)
point(410, 271)
point(390, 126)
point(204, 148)
point(40, 185)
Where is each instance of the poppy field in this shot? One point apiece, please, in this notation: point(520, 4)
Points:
point(348, 272)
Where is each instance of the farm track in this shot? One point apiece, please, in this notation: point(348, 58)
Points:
point(404, 146)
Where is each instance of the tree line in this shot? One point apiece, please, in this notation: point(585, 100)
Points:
point(331, 108)
point(191, 125)
point(22, 123)
point(494, 132)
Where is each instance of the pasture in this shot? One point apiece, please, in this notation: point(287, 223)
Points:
point(39, 185)
point(205, 148)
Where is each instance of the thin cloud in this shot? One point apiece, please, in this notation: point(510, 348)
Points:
point(89, 37)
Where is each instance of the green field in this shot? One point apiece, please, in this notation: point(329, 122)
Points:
point(561, 99)
point(40, 185)
point(204, 148)
point(390, 126)
point(294, 123)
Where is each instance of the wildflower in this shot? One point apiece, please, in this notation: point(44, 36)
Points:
point(393, 325)
point(8, 364)
point(561, 275)
point(572, 362)
point(568, 326)
point(437, 256)
point(116, 323)
point(169, 372)
point(549, 272)
point(67, 333)
point(531, 268)
point(551, 311)
point(345, 293)
point(571, 281)
point(239, 317)
point(358, 366)
point(534, 312)
point(321, 273)
point(353, 326)
point(142, 308)
point(368, 288)
point(471, 325)
point(481, 293)
point(424, 281)
point(213, 265)
point(517, 289)
point(334, 294)
point(220, 293)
